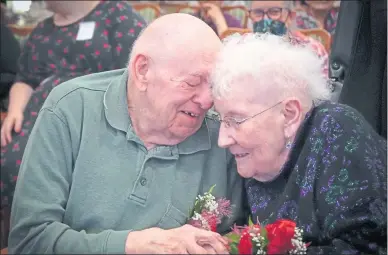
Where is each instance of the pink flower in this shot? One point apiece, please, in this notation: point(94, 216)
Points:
point(224, 208)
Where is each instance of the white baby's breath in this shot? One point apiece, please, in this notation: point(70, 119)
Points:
point(297, 242)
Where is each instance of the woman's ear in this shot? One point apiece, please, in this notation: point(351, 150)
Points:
point(292, 117)
point(139, 70)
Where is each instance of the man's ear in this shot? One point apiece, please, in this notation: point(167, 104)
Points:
point(292, 116)
point(140, 67)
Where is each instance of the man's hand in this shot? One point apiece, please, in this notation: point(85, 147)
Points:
point(183, 240)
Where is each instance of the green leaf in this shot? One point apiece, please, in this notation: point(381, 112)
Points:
point(198, 207)
point(233, 248)
point(211, 189)
point(234, 237)
point(250, 222)
point(265, 242)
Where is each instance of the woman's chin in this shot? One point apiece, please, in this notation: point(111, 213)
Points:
point(244, 172)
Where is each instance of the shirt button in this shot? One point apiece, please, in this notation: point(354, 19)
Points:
point(143, 181)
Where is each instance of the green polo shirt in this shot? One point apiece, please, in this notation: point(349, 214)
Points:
point(86, 179)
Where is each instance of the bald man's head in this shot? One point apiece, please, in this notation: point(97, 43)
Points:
point(169, 72)
point(173, 33)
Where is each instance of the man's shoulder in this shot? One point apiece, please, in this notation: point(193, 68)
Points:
point(92, 86)
point(213, 121)
point(213, 124)
point(213, 116)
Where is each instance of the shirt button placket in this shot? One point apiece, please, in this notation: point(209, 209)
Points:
point(142, 186)
point(143, 181)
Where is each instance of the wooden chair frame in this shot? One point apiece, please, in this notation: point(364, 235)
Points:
point(243, 8)
point(233, 30)
point(322, 33)
point(141, 6)
point(180, 7)
point(21, 30)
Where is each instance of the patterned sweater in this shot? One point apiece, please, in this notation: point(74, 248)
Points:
point(334, 184)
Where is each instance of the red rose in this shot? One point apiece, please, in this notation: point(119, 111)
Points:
point(279, 236)
point(245, 244)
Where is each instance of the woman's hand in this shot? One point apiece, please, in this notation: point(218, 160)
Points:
point(19, 95)
point(13, 121)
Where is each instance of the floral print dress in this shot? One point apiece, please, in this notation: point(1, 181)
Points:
point(303, 20)
point(54, 54)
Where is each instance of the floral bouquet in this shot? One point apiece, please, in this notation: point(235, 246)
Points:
point(280, 237)
point(208, 212)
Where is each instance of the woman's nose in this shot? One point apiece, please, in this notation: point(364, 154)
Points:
point(224, 138)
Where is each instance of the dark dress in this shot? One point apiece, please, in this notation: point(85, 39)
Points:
point(9, 54)
point(52, 55)
point(334, 184)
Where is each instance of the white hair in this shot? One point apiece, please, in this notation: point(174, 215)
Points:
point(271, 61)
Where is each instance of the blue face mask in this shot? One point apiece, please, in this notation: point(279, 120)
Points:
point(270, 26)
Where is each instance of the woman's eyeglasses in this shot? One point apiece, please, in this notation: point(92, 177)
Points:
point(274, 13)
point(234, 123)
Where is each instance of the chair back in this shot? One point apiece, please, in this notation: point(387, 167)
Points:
point(320, 35)
point(233, 30)
point(189, 9)
point(21, 31)
point(148, 11)
point(239, 12)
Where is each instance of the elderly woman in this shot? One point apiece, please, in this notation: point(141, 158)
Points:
point(82, 37)
point(306, 159)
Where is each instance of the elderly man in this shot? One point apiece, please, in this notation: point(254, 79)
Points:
point(116, 159)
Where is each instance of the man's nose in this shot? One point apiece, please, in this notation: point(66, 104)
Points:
point(204, 98)
point(224, 138)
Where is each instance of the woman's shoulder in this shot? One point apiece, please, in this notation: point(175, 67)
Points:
point(340, 113)
point(115, 12)
point(114, 8)
point(342, 120)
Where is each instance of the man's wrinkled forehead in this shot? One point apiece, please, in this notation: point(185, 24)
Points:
point(196, 61)
point(267, 4)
